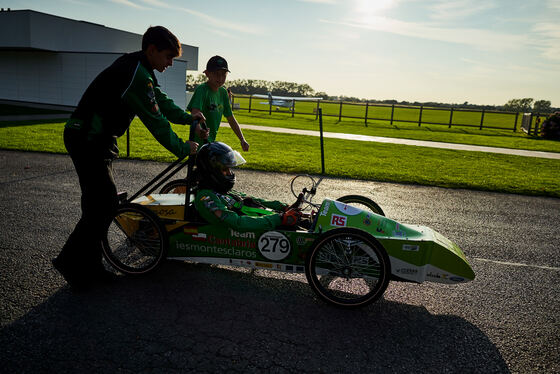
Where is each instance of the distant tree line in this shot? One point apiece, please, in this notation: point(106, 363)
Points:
point(257, 86)
point(280, 88)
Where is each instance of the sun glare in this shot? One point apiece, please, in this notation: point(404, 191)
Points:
point(366, 10)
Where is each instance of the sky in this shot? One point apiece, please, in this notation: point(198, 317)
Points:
point(450, 51)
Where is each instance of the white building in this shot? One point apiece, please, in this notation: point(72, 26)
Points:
point(46, 59)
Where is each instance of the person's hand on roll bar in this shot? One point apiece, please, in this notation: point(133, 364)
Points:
point(201, 129)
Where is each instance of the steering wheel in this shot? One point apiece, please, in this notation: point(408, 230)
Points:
point(308, 187)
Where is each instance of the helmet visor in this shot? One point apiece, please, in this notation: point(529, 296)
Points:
point(239, 160)
point(231, 159)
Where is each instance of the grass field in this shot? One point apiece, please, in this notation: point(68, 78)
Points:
point(343, 158)
point(400, 114)
point(462, 135)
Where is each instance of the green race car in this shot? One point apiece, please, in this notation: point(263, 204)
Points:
point(347, 248)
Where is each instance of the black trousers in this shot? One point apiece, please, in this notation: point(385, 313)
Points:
point(82, 251)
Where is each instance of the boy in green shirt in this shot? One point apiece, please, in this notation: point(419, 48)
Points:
point(125, 89)
point(211, 98)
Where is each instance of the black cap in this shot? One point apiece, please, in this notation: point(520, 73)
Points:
point(217, 63)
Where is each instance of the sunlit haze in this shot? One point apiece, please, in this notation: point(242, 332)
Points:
point(451, 51)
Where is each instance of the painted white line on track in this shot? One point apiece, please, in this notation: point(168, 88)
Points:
point(517, 264)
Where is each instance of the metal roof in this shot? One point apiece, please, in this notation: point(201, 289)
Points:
point(32, 30)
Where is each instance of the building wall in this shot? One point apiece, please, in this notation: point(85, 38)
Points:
point(174, 82)
point(28, 29)
point(61, 78)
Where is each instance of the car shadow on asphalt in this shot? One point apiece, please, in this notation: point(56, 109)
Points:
point(192, 318)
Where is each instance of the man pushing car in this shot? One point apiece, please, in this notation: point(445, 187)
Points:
point(126, 89)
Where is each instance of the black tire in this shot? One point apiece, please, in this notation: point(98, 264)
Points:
point(348, 268)
point(136, 242)
point(175, 186)
point(362, 202)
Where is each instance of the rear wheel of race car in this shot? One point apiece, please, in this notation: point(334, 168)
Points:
point(175, 186)
point(136, 241)
point(362, 202)
point(348, 268)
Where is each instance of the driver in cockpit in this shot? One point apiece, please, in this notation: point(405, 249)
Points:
point(217, 203)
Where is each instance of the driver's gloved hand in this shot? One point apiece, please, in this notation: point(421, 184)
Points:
point(290, 217)
point(296, 205)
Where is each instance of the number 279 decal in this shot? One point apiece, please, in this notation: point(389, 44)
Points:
point(274, 245)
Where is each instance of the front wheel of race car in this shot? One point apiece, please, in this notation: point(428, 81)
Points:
point(136, 241)
point(362, 202)
point(348, 268)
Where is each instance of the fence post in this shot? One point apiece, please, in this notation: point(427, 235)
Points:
point(482, 119)
point(250, 99)
point(128, 142)
point(515, 125)
point(420, 117)
point(392, 113)
point(340, 112)
point(317, 111)
point(451, 117)
point(320, 112)
point(537, 124)
point(367, 106)
point(270, 106)
point(293, 107)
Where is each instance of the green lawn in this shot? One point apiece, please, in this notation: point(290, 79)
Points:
point(343, 158)
point(401, 114)
point(455, 134)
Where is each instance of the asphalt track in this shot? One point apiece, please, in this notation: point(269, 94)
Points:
point(198, 318)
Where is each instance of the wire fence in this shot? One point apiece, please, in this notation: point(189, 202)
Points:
point(392, 113)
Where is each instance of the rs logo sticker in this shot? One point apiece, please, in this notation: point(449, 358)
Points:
point(274, 245)
point(337, 220)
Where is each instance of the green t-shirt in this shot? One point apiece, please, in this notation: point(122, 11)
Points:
point(214, 105)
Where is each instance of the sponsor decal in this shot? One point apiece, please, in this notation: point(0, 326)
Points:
point(326, 208)
point(152, 98)
point(299, 269)
point(410, 248)
point(300, 240)
point(213, 250)
point(264, 265)
point(289, 268)
point(236, 234)
point(165, 212)
point(347, 209)
point(231, 242)
point(367, 220)
point(239, 262)
point(211, 205)
point(407, 271)
point(399, 234)
point(453, 278)
point(274, 245)
point(337, 220)
point(201, 237)
point(190, 230)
